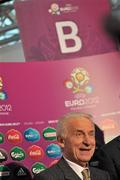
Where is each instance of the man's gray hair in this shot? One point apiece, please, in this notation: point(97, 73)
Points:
point(61, 125)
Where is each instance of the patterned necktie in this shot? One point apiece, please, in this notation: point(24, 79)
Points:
point(86, 174)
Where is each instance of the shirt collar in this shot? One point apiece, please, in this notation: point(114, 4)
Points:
point(77, 168)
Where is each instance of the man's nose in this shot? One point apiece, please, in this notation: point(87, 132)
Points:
point(86, 140)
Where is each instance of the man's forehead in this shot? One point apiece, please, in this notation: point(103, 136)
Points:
point(80, 120)
point(76, 123)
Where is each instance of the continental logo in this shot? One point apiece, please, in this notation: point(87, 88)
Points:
point(49, 134)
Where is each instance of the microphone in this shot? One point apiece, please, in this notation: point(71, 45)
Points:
point(112, 21)
point(4, 1)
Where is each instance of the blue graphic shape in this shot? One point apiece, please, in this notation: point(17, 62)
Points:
point(31, 135)
point(89, 89)
point(3, 95)
point(53, 151)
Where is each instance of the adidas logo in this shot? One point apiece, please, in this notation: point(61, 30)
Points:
point(21, 172)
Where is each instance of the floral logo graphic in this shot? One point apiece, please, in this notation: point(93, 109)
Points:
point(78, 81)
point(54, 9)
point(3, 94)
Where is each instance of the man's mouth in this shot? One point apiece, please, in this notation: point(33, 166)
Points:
point(85, 149)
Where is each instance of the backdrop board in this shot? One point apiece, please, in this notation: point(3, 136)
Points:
point(63, 29)
point(34, 95)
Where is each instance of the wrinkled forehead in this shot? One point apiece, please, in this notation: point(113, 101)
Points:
point(79, 122)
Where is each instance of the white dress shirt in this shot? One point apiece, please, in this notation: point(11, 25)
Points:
point(77, 168)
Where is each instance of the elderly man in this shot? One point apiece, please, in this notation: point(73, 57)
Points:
point(76, 137)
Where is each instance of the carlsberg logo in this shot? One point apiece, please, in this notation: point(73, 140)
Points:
point(36, 171)
point(17, 155)
point(1, 156)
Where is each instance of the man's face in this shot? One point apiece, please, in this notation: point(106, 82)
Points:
point(79, 142)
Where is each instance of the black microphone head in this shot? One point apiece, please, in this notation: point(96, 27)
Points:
point(4, 1)
point(112, 25)
point(112, 21)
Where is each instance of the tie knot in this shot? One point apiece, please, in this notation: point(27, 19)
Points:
point(86, 174)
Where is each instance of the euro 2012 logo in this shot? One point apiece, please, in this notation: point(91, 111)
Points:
point(79, 81)
point(3, 94)
point(54, 9)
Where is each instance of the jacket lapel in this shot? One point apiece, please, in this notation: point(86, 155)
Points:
point(67, 170)
point(93, 174)
point(118, 139)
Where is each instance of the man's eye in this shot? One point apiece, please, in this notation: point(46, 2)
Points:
point(79, 134)
point(92, 134)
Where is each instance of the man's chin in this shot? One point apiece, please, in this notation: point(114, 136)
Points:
point(85, 158)
point(86, 154)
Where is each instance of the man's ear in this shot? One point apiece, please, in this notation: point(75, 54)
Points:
point(60, 141)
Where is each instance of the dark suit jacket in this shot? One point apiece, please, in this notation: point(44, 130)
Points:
point(109, 158)
point(62, 171)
